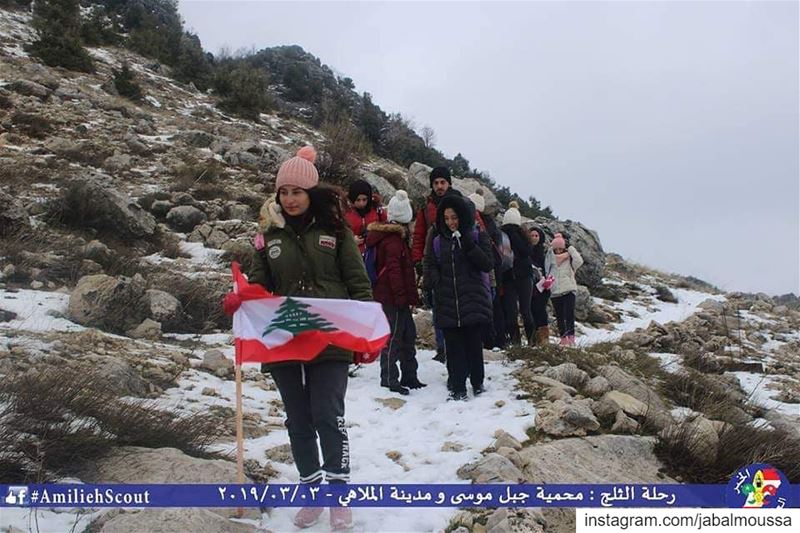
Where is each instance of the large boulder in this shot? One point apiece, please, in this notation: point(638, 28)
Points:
point(108, 303)
point(107, 209)
point(136, 465)
point(587, 243)
point(594, 459)
point(13, 216)
point(657, 411)
point(170, 520)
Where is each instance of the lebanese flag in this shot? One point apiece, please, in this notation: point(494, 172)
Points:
point(270, 328)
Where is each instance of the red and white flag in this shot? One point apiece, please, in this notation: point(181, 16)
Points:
point(270, 328)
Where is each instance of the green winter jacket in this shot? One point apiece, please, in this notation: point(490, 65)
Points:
point(317, 263)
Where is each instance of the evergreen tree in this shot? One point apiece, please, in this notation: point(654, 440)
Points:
point(58, 26)
point(460, 165)
point(294, 318)
point(126, 85)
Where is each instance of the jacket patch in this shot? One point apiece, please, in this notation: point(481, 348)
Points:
point(274, 242)
point(275, 252)
point(326, 241)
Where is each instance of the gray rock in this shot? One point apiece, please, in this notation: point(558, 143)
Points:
point(216, 362)
point(162, 306)
point(117, 163)
point(30, 88)
point(614, 401)
point(148, 329)
point(107, 303)
point(504, 439)
point(564, 419)
point(381, 185)
point(183, 198)
point(196, 138)
point(568, 373)
point(97, 252)
point(120, 376)
point(237, 211)
point(107, 209)
point(597, 386)
point(160, 208)
point(13, 216)
point(426, 335)
point(624, 382)
point(171, 520)
point(624, 424)
point(185, 217)
point(550, 382)
point(492, 468)
point(7, 316)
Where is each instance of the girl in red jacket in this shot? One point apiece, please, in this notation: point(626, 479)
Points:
point(396, 290)
point(363, 212)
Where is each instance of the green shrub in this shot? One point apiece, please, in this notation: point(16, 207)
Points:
point(57, 24)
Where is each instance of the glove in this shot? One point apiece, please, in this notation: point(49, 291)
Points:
point(548, 282)
point(231, 303)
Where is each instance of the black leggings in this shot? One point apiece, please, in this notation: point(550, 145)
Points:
point(517, 300)
point(565, 313)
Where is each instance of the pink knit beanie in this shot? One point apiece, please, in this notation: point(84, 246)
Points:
point(558, 242)
point(299, 171)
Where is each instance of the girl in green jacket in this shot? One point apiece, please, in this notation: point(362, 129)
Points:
point(306, 249)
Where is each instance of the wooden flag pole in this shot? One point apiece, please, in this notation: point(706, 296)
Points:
point(239, 433)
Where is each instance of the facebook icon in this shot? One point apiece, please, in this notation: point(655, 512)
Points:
point(17, 496)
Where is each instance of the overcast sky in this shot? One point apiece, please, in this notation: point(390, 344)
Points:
point(670, 128)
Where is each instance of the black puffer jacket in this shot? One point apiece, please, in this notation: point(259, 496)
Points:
point(522, 248)
point(459, 273)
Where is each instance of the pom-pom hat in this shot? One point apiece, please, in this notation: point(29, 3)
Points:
point(299, 171)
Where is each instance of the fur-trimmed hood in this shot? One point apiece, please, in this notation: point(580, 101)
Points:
point(270, 215)
point(379, 230)
point(464, 209)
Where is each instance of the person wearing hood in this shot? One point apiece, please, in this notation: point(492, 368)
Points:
point(363, 211)
point(396, 290)
point(304, 248)
point(495, 333)
point(561, 262)
point(457, 262)
point(518, 280)
point(441, 186)
point(539, 297)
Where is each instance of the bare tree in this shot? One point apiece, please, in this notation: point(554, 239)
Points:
point(428, 136)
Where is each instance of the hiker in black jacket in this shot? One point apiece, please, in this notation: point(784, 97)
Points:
point(458, 259)
point(518, 281)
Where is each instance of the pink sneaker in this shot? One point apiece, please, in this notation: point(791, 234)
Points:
point(571, 340)
point(341, 518)
point(564, 341)
point(308, 516)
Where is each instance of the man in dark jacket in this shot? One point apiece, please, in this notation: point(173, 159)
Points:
point(396, 290)
point(457, 262)
point(441, 183)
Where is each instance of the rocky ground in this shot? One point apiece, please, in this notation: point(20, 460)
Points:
point(118, 222)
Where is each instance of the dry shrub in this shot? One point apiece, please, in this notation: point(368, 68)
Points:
point(31, 124)
point(56, 421)
point(739, 445)
point(192, 174)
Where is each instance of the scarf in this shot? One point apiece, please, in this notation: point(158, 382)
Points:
point(560, 258)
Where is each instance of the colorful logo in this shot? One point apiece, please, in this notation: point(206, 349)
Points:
point(756, 486)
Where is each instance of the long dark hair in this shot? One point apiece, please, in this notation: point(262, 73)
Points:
point(326, 207)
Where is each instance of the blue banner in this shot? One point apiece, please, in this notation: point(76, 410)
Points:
point(362, 495)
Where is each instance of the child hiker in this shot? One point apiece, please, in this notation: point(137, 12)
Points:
point(396, 290)
point(561, 262)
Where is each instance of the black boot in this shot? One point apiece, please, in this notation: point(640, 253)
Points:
point(399, 389)
point(414, 383)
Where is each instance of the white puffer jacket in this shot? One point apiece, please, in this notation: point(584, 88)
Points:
point(563, 274)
